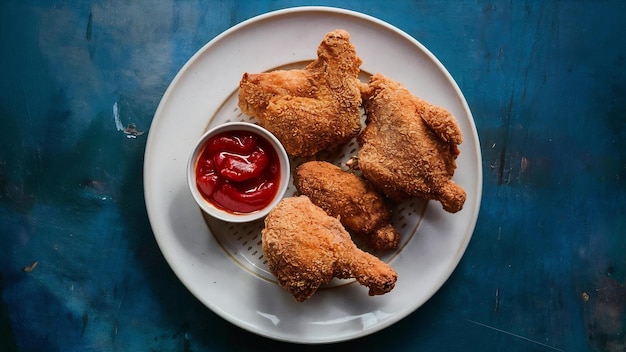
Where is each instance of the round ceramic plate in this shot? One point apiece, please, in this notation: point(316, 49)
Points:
point(222, 264)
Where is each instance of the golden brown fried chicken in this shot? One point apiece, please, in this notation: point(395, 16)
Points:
point(305, 248)
point(313, 109)
point(351, 199)
point(409, 147)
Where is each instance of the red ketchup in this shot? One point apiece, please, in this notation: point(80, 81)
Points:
point(238, 171)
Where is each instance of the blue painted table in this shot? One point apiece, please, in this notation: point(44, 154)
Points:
point(80, 269)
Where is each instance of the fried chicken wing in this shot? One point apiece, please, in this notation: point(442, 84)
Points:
point(305, 248)
point(352, 200)
point(313, 109)
point(409, 147)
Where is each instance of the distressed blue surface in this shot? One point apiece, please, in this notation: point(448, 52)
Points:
point(546, 82)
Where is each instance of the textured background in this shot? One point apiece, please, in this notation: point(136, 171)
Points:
point(546, 267)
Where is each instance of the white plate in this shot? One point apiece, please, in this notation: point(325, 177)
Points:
point(222, 265)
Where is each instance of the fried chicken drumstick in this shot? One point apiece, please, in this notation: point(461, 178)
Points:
point(313, 109)
point(409, 147)
point(305, 248)
point(351, 199)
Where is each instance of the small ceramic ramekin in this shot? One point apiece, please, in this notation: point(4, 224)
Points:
point(218, 212)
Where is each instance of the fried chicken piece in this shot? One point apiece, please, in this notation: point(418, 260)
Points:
point(352, 200)
point(305, 248)
point(313, 109)
point(409, 147)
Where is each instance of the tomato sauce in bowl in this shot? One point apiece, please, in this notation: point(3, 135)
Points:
point(238, 172)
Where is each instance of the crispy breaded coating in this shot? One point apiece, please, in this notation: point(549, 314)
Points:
point(313, 109)
point(352, 200)
point(305, 248)
point(409, 147)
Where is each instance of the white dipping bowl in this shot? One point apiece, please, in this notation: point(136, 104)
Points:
point(207, 206)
